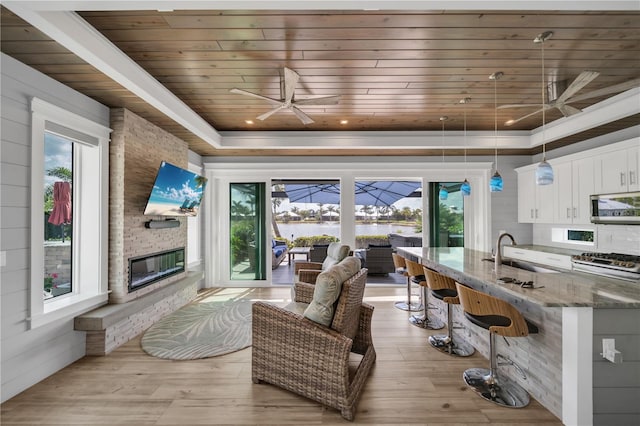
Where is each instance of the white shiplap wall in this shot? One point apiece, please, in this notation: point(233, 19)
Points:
point(28, 356)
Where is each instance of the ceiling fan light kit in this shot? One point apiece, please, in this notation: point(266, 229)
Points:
point(544, 171)
point(496, 184)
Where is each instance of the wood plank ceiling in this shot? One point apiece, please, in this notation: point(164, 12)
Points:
point(395, 71)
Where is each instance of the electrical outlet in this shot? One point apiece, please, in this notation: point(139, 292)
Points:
point(609, 351)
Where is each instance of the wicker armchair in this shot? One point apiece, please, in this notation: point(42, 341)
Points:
point(310, 359)
point(307, 272)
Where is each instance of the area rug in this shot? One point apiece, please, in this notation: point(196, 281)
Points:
point(201, 330)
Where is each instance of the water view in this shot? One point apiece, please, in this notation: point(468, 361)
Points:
point(294, 230)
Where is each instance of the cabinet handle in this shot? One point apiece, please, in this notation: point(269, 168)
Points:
point(536, 213)
point(531, 213)
point(575, 212)
point(623, 180)
point(568, 212)
point(632, 178)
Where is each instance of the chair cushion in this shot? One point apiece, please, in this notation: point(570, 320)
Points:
point(327, 290)
point(335, 253)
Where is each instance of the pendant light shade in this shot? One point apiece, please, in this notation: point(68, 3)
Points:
point(495, 184)
point(465, 188)
point(443, 194)
point(544, 171)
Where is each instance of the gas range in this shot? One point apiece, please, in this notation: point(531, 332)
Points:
point(615, 265)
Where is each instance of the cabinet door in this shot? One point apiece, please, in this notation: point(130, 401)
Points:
point(545, 203)
point(526, 196)
point(563, 182)
point(633, 162)
point(583, 188)
point(614, 171)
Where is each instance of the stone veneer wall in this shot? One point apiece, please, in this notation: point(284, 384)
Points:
point(136, 151)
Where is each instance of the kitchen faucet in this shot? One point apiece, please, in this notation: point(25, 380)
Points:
point(498, 255)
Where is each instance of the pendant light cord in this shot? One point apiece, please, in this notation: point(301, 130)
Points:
point(495, 118)
point(544, 151)
point(465, 137)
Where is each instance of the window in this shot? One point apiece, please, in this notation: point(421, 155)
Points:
point(69, 214)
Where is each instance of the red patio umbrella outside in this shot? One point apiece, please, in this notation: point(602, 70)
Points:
point(61, 213)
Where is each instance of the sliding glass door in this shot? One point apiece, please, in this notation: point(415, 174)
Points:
point(248, 233)
point(446, 214)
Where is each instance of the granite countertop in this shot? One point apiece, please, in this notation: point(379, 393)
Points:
point(562, 289)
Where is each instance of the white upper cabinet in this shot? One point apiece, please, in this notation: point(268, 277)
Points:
point(619, 170)
point(574, 185)
point(535, 202)
point(608, 169)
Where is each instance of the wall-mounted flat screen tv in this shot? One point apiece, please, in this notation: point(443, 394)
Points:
point(176, 192)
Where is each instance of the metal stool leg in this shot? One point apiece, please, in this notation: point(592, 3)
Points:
point(445, 343)
point(424, 321)
point(499, 390)
point(408, 306)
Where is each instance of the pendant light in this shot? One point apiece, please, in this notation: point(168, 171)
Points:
point(465, 188)
point(443, 194)
point(495, 184)
point(544, 172)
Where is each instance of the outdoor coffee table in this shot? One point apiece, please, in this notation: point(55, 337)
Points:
point(299, 250)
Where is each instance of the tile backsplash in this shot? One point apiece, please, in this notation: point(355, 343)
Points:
point(608, 238)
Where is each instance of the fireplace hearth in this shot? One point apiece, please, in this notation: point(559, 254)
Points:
point(148, 269)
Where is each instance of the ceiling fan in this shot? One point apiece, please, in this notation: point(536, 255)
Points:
point(288, 80)
point(562, 101)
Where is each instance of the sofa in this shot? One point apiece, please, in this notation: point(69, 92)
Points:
point(278, 252)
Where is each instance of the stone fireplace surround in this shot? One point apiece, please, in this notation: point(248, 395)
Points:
point(136, 150)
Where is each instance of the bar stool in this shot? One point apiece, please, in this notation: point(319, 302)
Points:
point(444, 288)
point(415, 271)
point(401, 268)
point(500, 318)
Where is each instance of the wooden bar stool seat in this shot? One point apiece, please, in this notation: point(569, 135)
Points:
point(415, 271)
point(444, 288)
point(500, 318)
point(401, 268)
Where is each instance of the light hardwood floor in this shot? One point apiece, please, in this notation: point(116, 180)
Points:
point(411, 383)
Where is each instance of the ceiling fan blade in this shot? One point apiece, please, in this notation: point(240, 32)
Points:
point(301, 115)
point(512, 122)
point(255, 95)
point(323, 100)
point(271, 112)
point(290, 81)
point(568, 110)
point(518, 106)
point(582, 80)
point(616, 88)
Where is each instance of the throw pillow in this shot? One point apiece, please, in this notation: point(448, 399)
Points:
point(326, 292)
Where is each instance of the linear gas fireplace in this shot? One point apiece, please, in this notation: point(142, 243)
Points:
point(144, 270)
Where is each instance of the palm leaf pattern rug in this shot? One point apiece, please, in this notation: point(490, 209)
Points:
point(201, 330)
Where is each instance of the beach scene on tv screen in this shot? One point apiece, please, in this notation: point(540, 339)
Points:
point(176, 192)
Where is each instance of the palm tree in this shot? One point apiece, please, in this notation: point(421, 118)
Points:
point(331, 209)
point(275, 203)
point(320, 205)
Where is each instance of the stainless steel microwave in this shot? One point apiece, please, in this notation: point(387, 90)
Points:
point(622, 208)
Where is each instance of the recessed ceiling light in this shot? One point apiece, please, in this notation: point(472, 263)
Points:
point(509, 122)
point(248, 121)
point(344, 121)
point(164, 10)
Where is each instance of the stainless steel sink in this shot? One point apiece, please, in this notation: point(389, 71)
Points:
point(525, 266)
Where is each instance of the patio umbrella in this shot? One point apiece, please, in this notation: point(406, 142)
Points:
point(368, 193)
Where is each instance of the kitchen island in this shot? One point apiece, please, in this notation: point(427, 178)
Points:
point(560, 366)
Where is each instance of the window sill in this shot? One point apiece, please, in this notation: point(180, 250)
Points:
point(67, 307)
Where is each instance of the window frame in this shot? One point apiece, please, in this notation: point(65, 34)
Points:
point(90, 213)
